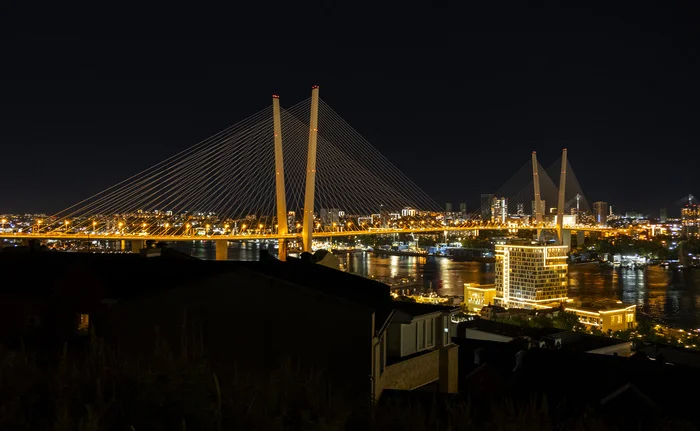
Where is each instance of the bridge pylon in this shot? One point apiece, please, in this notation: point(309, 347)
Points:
point(308, 226)
point(561, 203)
point(281, 200)
point(538, 202)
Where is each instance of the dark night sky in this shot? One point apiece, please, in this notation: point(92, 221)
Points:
point(457, 98)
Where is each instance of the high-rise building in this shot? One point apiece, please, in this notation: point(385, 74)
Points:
point(531, 276)
point(520, 209)
point(448, 207)
point(408, 212)
point(329, 216)
point(486, 202)
point(600, 212)
point(690, 219)
point(663, 215)
point(463, 208)
point(499, 210)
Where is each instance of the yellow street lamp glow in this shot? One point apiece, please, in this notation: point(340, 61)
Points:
point(167, 225)
point(243, 226)
point(260, 226)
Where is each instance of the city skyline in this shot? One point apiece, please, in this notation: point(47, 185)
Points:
point(82, 114)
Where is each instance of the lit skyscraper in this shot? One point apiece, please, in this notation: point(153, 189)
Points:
point(600, 212)
point(499, 210)
point(690, 218)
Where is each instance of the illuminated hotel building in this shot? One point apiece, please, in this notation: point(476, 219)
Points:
point(690, 218)
point(531, 276)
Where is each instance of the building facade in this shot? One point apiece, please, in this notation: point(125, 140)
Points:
point(690, 219)
point(499, 210)
point(600, 212)
point(478, 296)
point(531, 276)
point(608, 317)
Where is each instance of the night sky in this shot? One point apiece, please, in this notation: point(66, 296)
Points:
point(457, 98)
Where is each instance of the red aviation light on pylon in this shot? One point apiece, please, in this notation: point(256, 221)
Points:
point(274, 96)
point(315, 86)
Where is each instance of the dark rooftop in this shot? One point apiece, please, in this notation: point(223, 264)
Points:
point(414, 309)
point(504, 329)
point(122, 276)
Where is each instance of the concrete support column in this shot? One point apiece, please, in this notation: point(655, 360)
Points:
point(580, 238)
point(137, 245)
point(565, 235)
point(221, 249)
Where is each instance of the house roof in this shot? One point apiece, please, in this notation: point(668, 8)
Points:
point(415, 309)
point(585, 342)
point(125, 275)
point(504, 329)
point(585, 377)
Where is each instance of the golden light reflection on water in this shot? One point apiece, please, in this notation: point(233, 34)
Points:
point(671, 295)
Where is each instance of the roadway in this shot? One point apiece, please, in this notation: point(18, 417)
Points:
point(259, 236)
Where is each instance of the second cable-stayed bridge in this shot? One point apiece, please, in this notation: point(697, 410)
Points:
point(293, 175)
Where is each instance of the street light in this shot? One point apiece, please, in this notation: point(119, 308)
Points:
point(94, 223)
point(67, 223)
point(167, 225)
point(38, 225)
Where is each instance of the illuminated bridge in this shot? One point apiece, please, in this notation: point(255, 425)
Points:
point(293, 175)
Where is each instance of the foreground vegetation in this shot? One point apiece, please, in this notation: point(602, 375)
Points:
point(95, 387)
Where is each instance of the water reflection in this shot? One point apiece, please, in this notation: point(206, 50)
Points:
point(443, 275)
point(665, 294)
point(669, 295)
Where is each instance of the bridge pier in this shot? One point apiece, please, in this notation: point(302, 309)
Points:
point(580, 238)
point(137, 245)
point(565, 235)
point(221, 249)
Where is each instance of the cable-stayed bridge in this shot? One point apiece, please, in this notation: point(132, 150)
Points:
point(294, 174)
